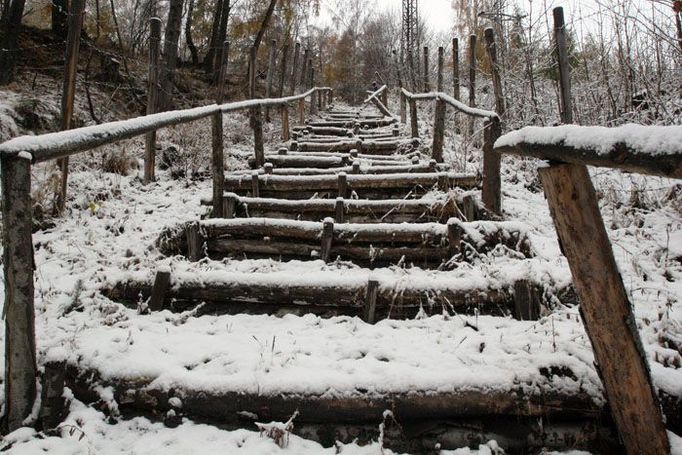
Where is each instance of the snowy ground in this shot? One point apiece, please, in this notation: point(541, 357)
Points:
point(114, 221)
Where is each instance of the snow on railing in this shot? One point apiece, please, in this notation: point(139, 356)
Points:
point(473, 111)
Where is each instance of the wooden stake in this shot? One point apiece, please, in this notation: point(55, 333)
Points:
point(343, 185)
point(285, 122)
point(255, 184)
point(413, 118)
point(18, 264)
point(161, 285)
point(76, 13)
point(258, 144)
point(339, 210)
point(403, 108)
point(301, 111)
point(472, 79)
point(195, 242)
point(438, 131)
point(605, 309)
point(455, 68)
point(491, 49)
point(491, 193)
point(152, 96)
point(369, 313)
point(327, 237)
point(427, 84)
point(526, 301)
point(441, 62)
point(218, 154)
point(564, 67)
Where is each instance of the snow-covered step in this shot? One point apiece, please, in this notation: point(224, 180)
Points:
point(388, 146)
point(358, 166)
point(461, 205)
point(425, 245)
point(388, 186)
point(379, 295)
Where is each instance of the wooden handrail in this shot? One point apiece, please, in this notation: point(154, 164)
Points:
point(474, 112)
point(375, 94)
point(625, 148)
point(50, 146)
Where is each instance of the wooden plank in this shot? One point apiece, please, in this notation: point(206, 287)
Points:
point(605, 308)
point(18, 310)
point(161, 285)
point(152, 96)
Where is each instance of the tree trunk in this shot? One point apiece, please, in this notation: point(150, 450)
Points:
point(170, 53)
point(213, 42)
point(10, 30)
point(188, 35)
point(222, 36)
point(60, 13)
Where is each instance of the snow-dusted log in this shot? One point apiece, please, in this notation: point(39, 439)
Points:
point(655, 150)
point(366, 186)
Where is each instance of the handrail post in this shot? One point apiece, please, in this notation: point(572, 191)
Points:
point(491, 49)
point(218, 154)
point(301, 111)
point(403, 108)
point(441, 63)
point(472, 79)
point(427, 83)
point(491, 191)
point(455, 68)
point(152, 96)
point(18, 264)
point(438, 131)
point(258, 146)
point(286, 134)
point(413, 118)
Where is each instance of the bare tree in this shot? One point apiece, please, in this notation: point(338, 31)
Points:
point(170, 53)
point(11, 24)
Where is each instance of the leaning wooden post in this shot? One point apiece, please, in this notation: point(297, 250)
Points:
point(20, 345)
point(218, 155)
point(605, 308)
point(604, 305)
point(270, 76)
point(491, 193)
point(491, 49)
point(441, 56)
point(152, 96)
point(403, 107)
point(438, 131)
point(413, 118)
point(455, 68)
point(472, 79)
point(76, 13)
point(427, 84)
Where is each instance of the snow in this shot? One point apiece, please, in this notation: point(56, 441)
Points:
point(453, 102)
point(647, 140)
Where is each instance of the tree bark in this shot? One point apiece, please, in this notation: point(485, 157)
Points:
point(213, 42)
point(170, 54)
point(10, 31)
point(60, 14)
point(188, 34)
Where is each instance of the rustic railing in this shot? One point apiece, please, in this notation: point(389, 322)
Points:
point(491, 195)
point(16, 158)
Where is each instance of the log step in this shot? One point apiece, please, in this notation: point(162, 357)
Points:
point(375, 147)
point(427, 245)
point(357, 167)
point(328, 294)
point(381, 186)
point(463, 206)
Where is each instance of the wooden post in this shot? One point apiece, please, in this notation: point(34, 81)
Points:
point(161, 285)
point(455, 235)
point(304, 70)
point(403, 107)
point(343, 185)
point(294, 80)
point(491, 49)
point(301, 111)
point(526, 301)
point(76, 13)
point(472, 79)
point(258, 144)
point(427, 84)
point(285, 122)
point(605, 309)
point(270, 75)
point(255, 184)
point(268, 168)
point(455, 68)
point(229, 207)
point(20, 344)
point(315, 94)
point(152, 96)
point(327, 238)
point(491, 192)
point(339, 210)
point(413, 118)
point(441, 54)
point(195, 242)
point(218, 154)
point(52, 402)
point(438, 131)
point(564, 67)
point(369, 312)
